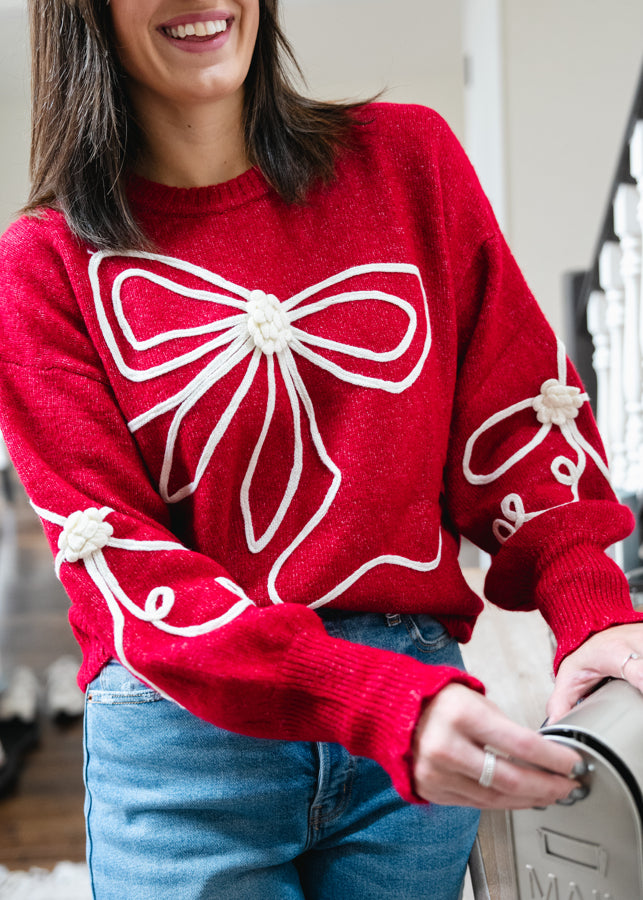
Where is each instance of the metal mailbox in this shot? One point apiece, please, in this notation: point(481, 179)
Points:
point(592, 849)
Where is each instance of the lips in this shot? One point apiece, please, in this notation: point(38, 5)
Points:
point(198, 31)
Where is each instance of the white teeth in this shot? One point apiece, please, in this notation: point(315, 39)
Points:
point(198, 29)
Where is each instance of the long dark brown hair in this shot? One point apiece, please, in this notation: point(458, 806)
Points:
point(84, 136)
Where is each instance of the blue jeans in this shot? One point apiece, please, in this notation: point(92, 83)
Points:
point(178, 809)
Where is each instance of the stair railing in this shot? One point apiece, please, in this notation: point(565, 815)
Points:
point(606, 304)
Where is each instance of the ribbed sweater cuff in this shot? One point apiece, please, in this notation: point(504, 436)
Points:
point(594, 591)
point(557, 564)
point(367, 699)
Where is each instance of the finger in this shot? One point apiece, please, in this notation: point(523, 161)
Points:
point(519, 743)
point(572, 685)
point(605, 654)
point(563, 699)
point(449, 756)
point(631, 669)
point(523, 783)
point(615, 659)
point(515, 778)
point(453, 775)
point(481, 723)
point(511, 788)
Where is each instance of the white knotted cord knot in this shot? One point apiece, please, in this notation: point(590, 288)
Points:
point(268, 323)
point(557, 403)
point(84, 533)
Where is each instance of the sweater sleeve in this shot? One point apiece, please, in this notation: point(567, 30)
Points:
point(525, 475)
point(526, 478)
point(174, 617)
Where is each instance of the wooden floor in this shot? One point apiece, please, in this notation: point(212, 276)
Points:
point(41, 823)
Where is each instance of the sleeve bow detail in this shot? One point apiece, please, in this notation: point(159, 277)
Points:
point(557, 405)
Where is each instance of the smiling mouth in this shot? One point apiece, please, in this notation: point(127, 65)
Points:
point(197, 31)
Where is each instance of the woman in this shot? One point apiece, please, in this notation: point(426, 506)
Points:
point(263, 361)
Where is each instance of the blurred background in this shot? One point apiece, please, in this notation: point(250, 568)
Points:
point(538, 92)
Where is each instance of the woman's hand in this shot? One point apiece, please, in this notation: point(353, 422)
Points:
point(616, 651)
point(449, 755)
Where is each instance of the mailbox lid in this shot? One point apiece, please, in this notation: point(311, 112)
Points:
point(592, 850)
point(610, 720)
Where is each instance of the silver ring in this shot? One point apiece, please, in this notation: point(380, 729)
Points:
point(625, 662)
point(488, 769)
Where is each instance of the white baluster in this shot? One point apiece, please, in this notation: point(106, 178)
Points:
point(609, 267)
point(636, 165)
point(627, 229)
point(597, 327)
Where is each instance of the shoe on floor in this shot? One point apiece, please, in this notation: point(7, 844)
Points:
point(19, 729)
point(64, 700)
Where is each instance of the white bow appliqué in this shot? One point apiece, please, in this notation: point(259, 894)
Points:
point(558, 405)
point(264, 331)
point(85, 534)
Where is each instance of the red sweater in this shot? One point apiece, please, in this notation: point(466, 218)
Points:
point(289, 406)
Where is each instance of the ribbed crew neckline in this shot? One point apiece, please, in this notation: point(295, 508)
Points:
point(152, 195)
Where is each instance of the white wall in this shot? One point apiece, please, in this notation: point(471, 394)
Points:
point(14, 110)
point(570, 73)
point(484, 99)
point(355, 48)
